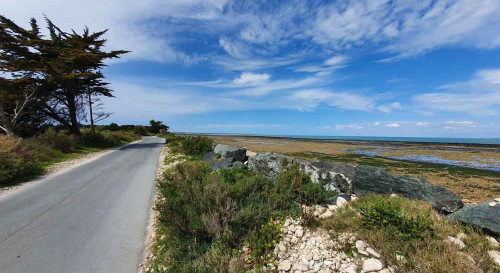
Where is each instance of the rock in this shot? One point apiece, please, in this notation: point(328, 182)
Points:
point(455, 241)
point(371, 265)
point(445, 201)
point(497, 200)
point(341, 202)
point(480, 215)
point(492, 204)
point(372, 252)
point(394, 195)
point(335, 176)
point(285, 265)
point(461, 236)
point(326, 214)
point(495, 256)
point(493, 241)
point(239, 165)
point(231, 153)
point(369, 180)
point(400, 258)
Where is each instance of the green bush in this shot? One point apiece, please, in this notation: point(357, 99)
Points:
point(196, 145)
point(202, 208)
point(113, 127)
point(140, 130)
point(387, 213)
point(98, 140)
point(58, 140)
point(16, 162)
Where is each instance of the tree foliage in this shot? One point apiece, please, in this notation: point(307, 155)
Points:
point(55, 77)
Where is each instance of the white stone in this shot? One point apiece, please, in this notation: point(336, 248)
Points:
point(461, 236)
point(354, 198)
point(361, 245)
point(325, 215)
point(400, 258)
point(492, 204)
point(341, 202)
point(455, 241)
point(285, 265)
point(492, 241)
point(394, 195)
point(371, 265)
point(372, 252)
point(299, 233)
point(495, 256)
point(497, 200)
point(332, 207)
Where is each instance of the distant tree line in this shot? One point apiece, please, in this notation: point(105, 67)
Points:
point(52, 80)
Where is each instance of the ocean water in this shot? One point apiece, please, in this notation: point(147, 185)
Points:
point(402, 139)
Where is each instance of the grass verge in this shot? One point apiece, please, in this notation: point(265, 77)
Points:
point(409, 228)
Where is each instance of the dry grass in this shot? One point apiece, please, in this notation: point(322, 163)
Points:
point(428, 254)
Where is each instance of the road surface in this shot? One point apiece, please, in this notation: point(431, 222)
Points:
point(91, 218)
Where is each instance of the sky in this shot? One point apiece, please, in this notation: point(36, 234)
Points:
point(339, 68)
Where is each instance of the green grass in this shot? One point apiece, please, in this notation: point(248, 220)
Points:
point(206, 217)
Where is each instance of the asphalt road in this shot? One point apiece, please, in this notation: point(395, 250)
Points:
point(91, 218)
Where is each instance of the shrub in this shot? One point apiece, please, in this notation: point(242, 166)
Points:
point(98, 140)
point(196, 145)
point(16, 162)
point(203, 210)
point(58, 140)
point(387, 213)
point(140, 130)
point(113, 127)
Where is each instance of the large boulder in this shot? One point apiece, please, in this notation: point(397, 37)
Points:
point(481, 215)
point(445, 201)
point(369, 179)
point(334, 176)
point(231, 153)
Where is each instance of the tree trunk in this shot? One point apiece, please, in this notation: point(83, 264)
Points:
point(91, 114)
point(6, 124)
point(75, 128)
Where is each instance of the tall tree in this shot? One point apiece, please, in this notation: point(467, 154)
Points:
point(66, 65)
point(19, 78)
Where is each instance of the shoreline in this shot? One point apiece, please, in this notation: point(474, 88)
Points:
point(346, 140)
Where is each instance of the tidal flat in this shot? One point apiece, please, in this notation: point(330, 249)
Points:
point(469, 170)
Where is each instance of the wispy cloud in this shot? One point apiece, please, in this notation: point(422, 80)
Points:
point(479, 96)
point(457, 125)
point(393, 125)
point(348, 126)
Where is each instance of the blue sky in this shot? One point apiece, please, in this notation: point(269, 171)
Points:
point(368, 68)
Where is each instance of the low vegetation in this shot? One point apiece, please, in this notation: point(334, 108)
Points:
point(207, 217)
point(22, 159)
point(409, 228)
point(231, 220)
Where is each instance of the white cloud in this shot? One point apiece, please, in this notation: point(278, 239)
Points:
point(131, 23)
point(376, 123)
point(336, 60)
point(251, 79)
point(422, 124)
point(278, 85)
point(457, 125)
point(388, 108)
point(479, 96)
point(309, 99)
point(349, 126)
point(241, 126)
point(393, 125)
